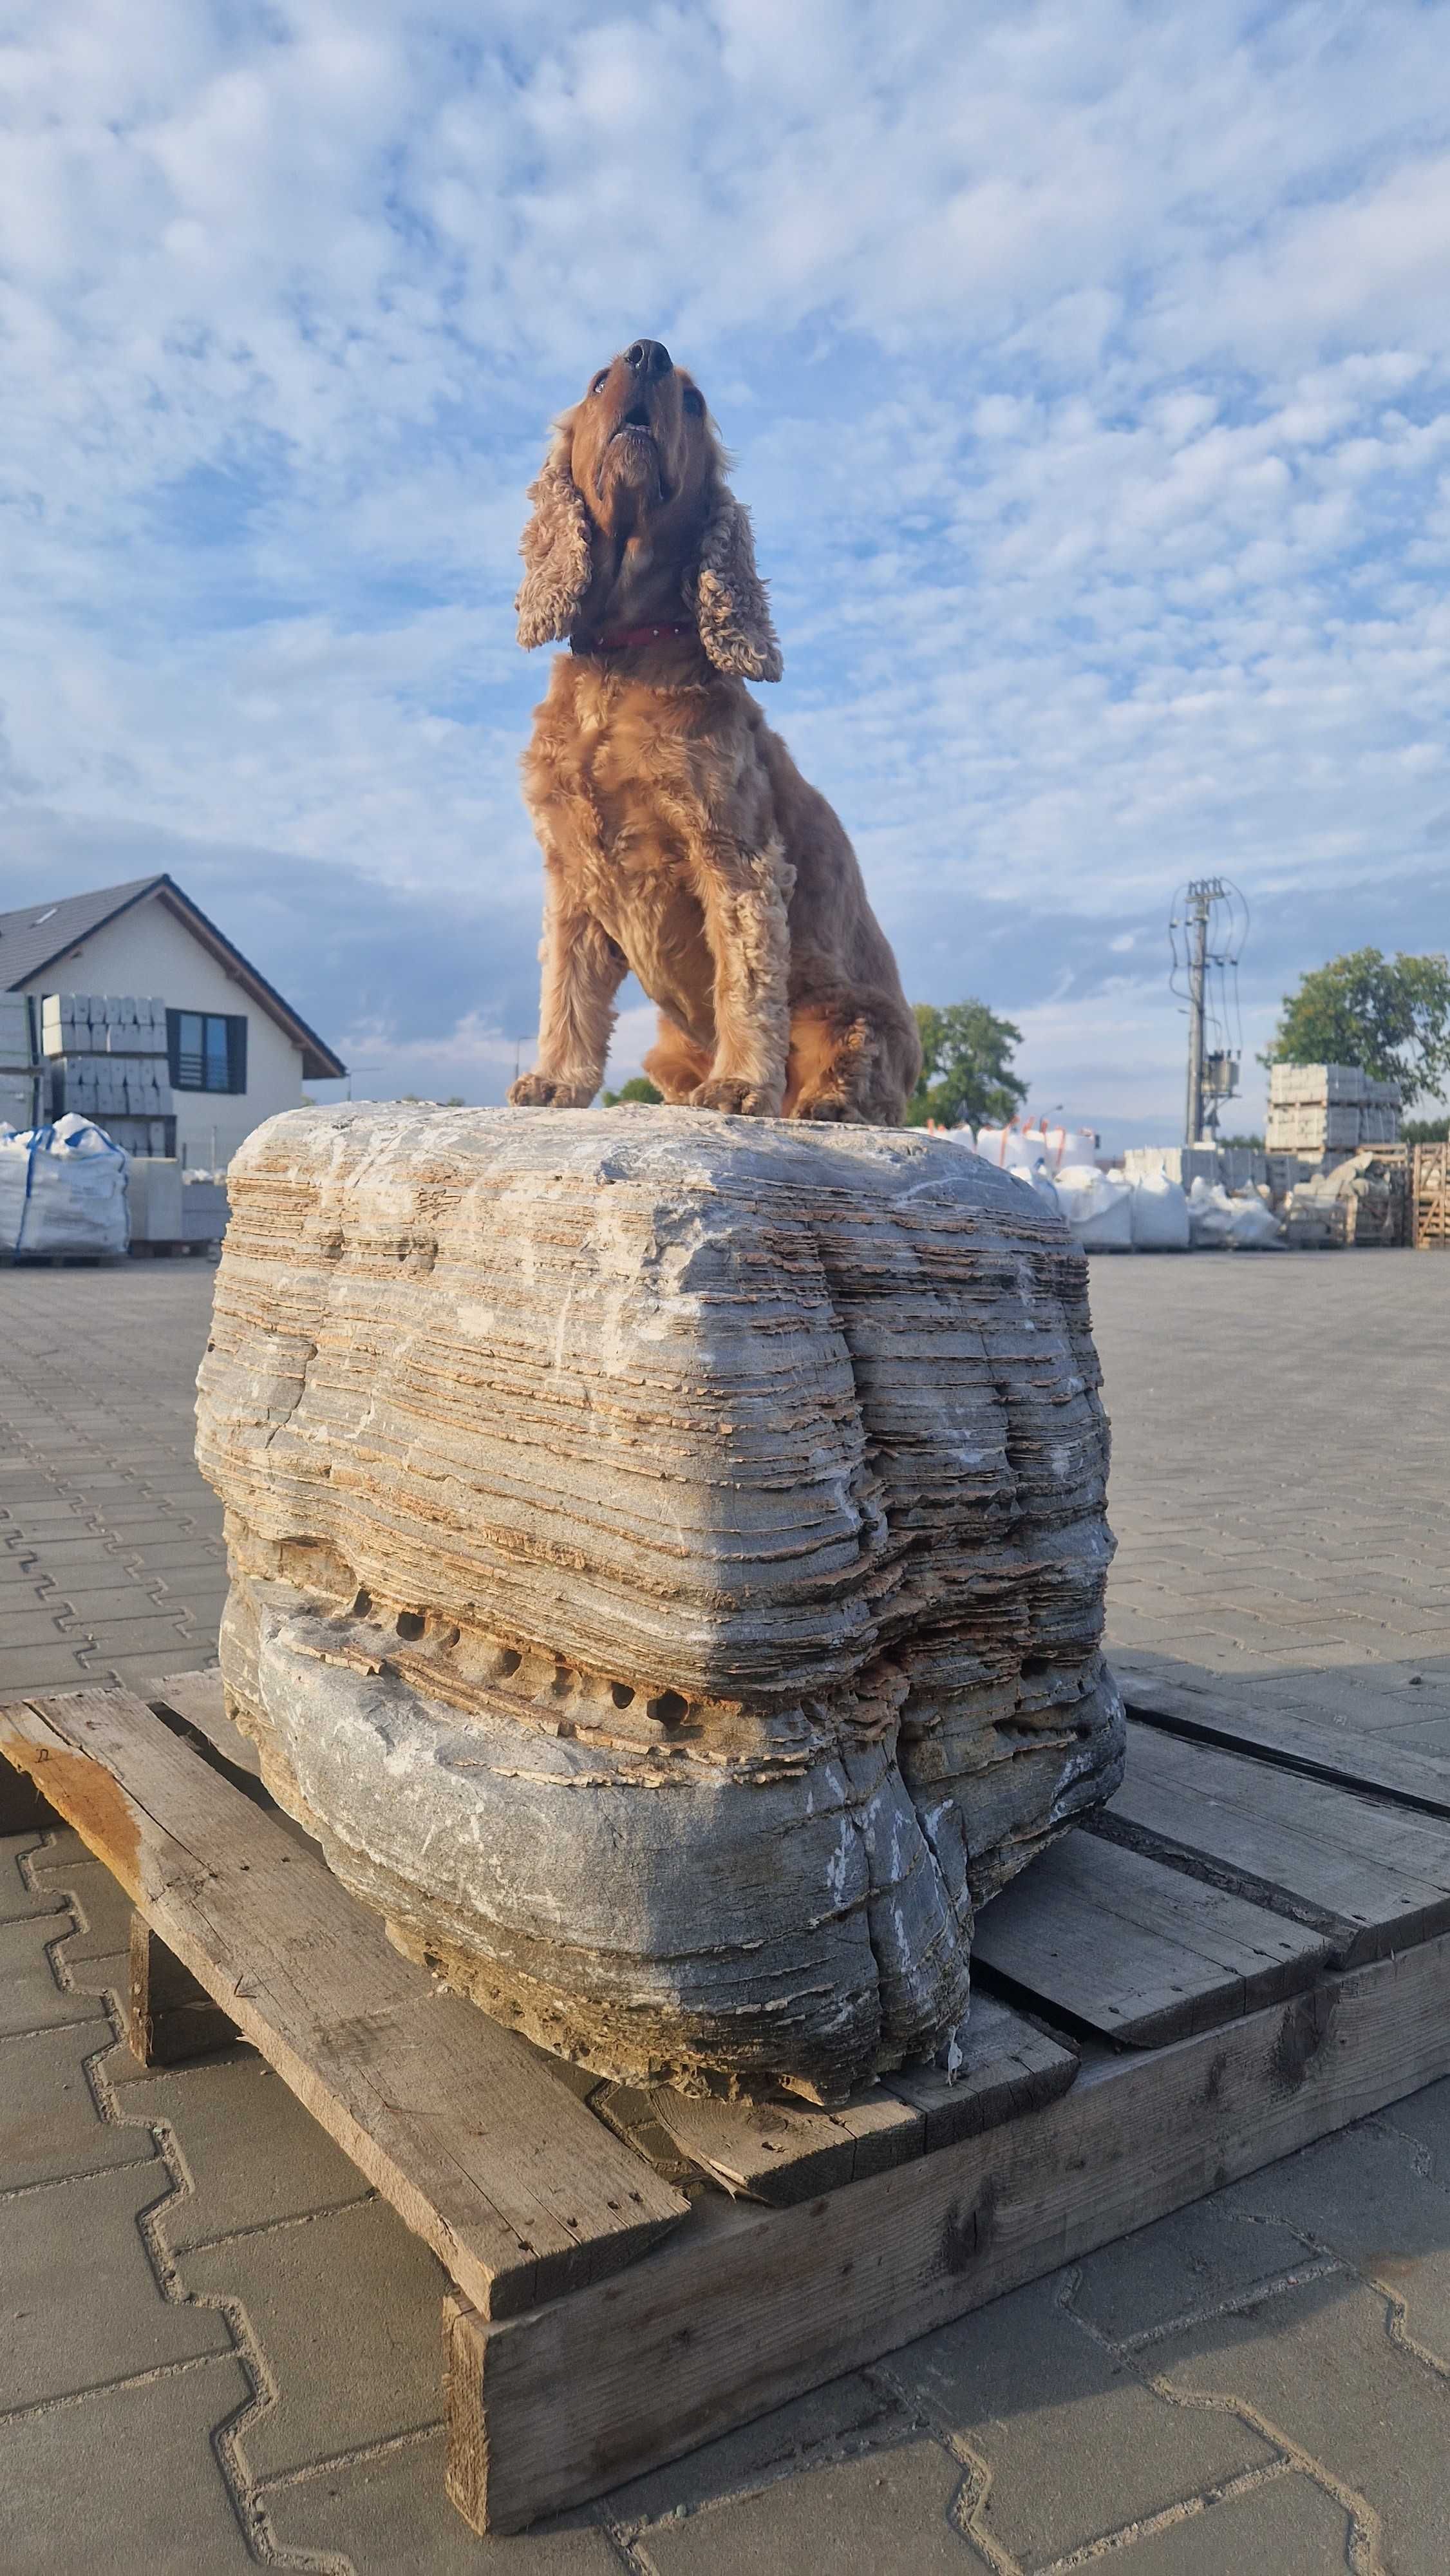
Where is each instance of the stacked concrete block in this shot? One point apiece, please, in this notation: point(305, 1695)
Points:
point(1329, 1108)
point(108, 1055)
point(1237, 1167)
point(667, 1562)
point(18, 1094)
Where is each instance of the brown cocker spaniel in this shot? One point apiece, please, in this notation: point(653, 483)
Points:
point(679, 837)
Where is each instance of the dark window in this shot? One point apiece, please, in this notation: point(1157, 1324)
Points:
point(208, 1050)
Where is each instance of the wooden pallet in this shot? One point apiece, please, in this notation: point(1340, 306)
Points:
point(1430, 1199)
point(1251, 1949)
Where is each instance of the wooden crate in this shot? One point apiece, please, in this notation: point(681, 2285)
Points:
point(1250, 1951)
point(1430, 1198)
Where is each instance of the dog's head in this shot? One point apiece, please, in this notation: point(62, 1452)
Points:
point(636, 462)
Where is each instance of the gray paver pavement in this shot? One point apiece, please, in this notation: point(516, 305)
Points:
point(1261, 2382)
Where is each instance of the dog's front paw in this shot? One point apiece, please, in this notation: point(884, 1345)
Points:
point(736, 1099)
point(540, 1091)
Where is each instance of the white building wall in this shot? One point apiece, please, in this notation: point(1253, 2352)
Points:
point(149, 951)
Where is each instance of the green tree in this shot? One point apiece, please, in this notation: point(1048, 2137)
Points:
point(966, 1069)
point(1389, 1017)
point(1425, 1131)
point(638, 1087)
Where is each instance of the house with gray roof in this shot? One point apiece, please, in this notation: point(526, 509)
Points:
point(238, 1052)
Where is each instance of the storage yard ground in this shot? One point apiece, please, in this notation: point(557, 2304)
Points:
point(226, 2348)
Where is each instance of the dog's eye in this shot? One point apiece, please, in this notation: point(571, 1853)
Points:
point(694, 403)
point(600, 381)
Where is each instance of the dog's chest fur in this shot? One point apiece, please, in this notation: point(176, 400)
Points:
point(621, 781)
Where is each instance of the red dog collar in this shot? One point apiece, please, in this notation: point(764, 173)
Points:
point(617, 639)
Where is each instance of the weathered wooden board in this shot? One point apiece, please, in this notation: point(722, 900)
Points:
point(517, 2189)
point(200, 1699)
point(1321, 1748)
point(780, 2151)
point(748, 2308)
point(170, 2017)
point(1368, 1875)
point(1008, 2066)
point(1136, 1951)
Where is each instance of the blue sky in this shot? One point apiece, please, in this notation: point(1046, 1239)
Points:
point(1088, 371)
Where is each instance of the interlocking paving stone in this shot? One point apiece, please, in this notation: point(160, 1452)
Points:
point(1320, 2365)
point(31, 1997)
point(392, 2518)
point(125, 2481)
point(1025, 2390)
point(346, 2307)
point(851, 2415)
point(290, 2166)
point(49, 2123)
point(889, 2511)
point(1286, 2527)
point(82, 2302)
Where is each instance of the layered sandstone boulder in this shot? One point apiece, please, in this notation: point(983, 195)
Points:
point(667, 1559)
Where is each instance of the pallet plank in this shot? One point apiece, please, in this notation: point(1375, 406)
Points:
point(785, 2151)
point(1140, 1953)
point(198, 1699)
point(519, 2191)
point(1321, 1748)
point(1008, 2066)
point(748, 2309)
point(1369, 1875)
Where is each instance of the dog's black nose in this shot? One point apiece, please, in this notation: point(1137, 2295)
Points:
point(648, 358)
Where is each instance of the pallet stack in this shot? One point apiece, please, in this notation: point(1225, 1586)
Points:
point(1361, 1202)
point(1329, 1109)
point(17, 1062)
point(108, 1059)
point(1430, 1198)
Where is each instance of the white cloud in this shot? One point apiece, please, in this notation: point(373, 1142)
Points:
point(1088, 369)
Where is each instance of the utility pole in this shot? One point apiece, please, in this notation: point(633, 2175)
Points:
point(1203, 893)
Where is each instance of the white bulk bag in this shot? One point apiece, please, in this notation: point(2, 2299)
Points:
point(62, 1189)
point(1255, 1225)
point(1098, 1207)
point(1160, 1214)
point(1215, 1218)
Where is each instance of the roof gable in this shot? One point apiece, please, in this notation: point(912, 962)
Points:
point(37, 935)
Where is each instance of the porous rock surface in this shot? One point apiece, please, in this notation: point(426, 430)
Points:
point(667, 1558)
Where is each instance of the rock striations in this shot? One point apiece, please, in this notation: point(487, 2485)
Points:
point(667, 1558)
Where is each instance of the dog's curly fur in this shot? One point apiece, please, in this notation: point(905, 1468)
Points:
point(679, 837)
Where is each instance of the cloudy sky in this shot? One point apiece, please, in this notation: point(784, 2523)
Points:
point(1086, 366)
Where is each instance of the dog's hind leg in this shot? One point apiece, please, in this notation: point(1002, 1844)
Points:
point(844, 1067)
point(674, 1064)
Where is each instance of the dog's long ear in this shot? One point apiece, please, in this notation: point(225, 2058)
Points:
point(730, 601)
point(556, 549)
